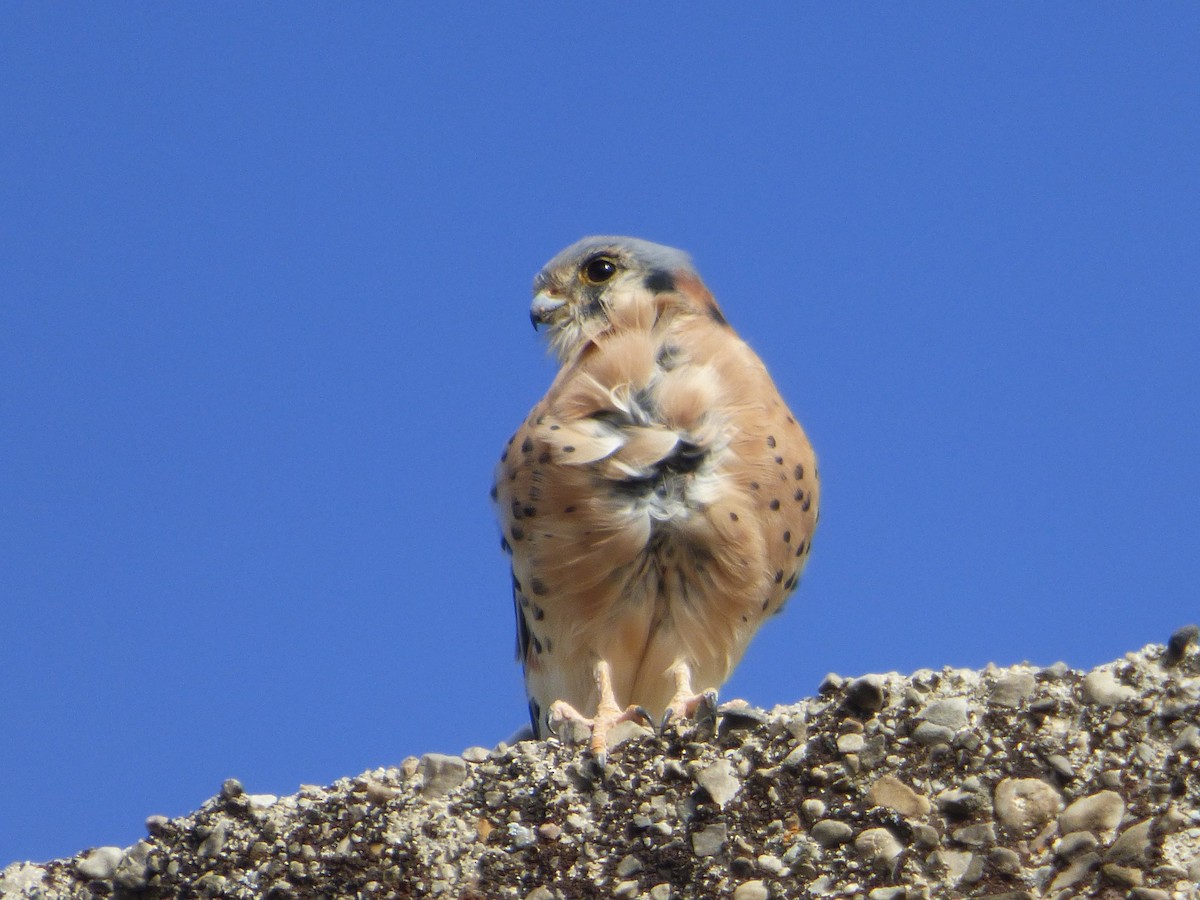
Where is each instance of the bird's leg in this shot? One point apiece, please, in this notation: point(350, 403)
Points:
point(608, 713)
point(687, 703)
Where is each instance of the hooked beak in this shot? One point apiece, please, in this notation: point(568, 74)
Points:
point(543, 308)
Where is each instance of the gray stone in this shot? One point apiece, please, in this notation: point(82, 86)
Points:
point(540, 893)
point(1004, 860)
point(661, 891)
point(751, 890)
point(629, 865)
point(1131, 845)
point(982, 834)
point(1080, 868)
point(441, 773)
point(476, 754)
point(878, 846)
point(1071, 845)
point(720, 782)
point(711, 840)
point(1026, 803)
point(813, 809)
point(1122, 875)
point(831, 832)
point(521, 836)
point(850, 743)
point(1099, 813)
point(866, 693)
point(1178, 644)
point(100, 863)
point(131, 874)
point(930, 733)
point(1102, 688)
point(950, 713)
point(1009, 690)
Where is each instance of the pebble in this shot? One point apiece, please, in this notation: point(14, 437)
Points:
point(441, 773)
point(1098, 813)
point(889, 791)
point(1178, 644)
point(1004, 860)
point(1026, 803)
point(813, 809)
point(878, 846)
point(866, 693)
point(476, 754)
point(1071, 845)
point(629, 865)
point(1010, 690)
point(100, 863)
point(770, 864)
point(540, 893)
point(661, 891)
point(1131, 845)
point(625, 889)
point(751, 890)
point(950, 713)
point(930, 733)
point(711, 840)
point(720, 782)
point(1080, 868)
point(1102, 688)
point(850, 743)
point(979, 835)
point(521, 836)
point(1122, 875)
point(831, 832)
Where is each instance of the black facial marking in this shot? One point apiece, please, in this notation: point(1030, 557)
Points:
point(771, 441)
point(660, 281)
point(774, 504)
point(790, 584)
point(535, 715)
point(518, 533)
point(492, 492)
point(715, 315)
point(538, 586)
point(569, 509)
point(527, 445)
point(799, 495)
point(667, 358)
point(529, 511)
point(733, 517)
point(778, 575)
point(799, 473)
point(545, 457)
point(787, 537)
point(505, 545)
point(807, 503)
point(568, 449)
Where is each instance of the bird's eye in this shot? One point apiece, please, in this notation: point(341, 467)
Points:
point(599, 270)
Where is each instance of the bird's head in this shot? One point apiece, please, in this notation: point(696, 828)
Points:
point(603, 282)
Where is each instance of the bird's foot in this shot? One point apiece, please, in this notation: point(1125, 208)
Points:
point(598, 726)
point(701, 708)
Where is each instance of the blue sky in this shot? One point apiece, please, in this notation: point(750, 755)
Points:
point(264, 281)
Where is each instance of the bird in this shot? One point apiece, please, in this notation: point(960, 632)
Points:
point(658, 503)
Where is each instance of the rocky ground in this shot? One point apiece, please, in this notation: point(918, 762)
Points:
point(1021, 782)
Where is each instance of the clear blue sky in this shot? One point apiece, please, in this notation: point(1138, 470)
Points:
point(264, 281)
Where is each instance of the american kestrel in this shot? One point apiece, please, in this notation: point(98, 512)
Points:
point(658, 503)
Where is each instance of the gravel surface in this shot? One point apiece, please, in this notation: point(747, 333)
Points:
point(1018, 782)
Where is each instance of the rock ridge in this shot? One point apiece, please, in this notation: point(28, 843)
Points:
point(1016, 782)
